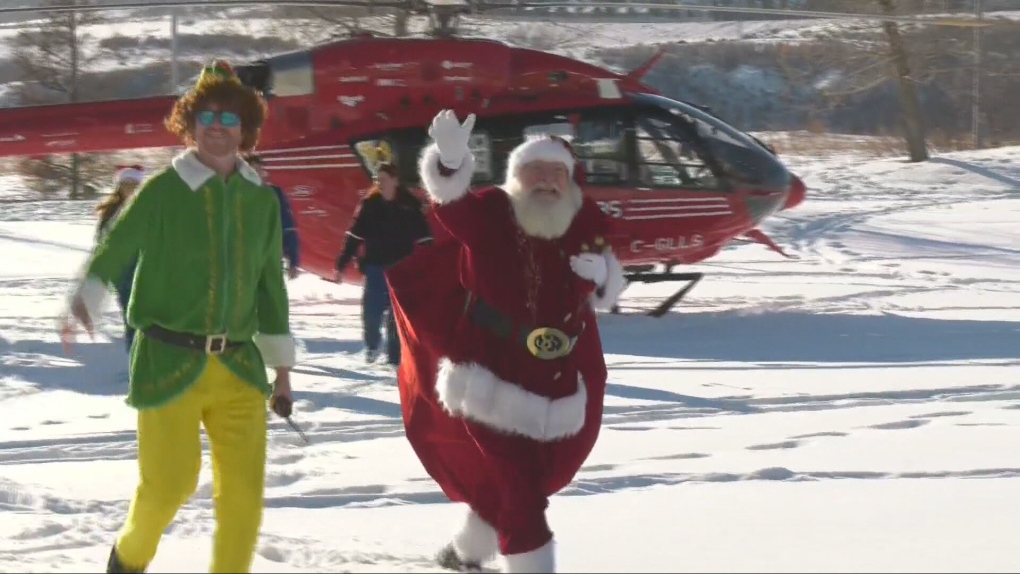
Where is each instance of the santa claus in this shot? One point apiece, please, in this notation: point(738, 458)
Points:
point(503, 376)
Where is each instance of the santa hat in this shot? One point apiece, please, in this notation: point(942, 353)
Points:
point(544, 148)
point(128, 173)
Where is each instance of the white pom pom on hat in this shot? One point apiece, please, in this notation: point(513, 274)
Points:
point(133, 173)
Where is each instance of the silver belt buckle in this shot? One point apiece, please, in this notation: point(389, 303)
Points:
point(215, 344)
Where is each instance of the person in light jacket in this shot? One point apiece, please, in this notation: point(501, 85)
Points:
point(125, 181)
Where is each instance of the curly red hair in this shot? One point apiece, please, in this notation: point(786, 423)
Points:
point(228, 94)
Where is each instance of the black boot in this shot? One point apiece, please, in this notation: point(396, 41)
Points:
point(114, 565)
point(448, 558)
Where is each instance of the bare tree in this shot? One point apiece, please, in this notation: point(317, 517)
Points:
point(913, 119)
point(884, 58)
point(52, 59)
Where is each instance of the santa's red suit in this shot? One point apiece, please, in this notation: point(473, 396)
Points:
point(503, 378)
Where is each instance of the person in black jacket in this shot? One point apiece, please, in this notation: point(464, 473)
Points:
point(389, 222)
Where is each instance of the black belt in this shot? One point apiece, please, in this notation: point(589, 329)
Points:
point(210, 344)
point(541, 342)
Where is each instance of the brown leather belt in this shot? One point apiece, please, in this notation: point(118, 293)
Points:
point(546, 343)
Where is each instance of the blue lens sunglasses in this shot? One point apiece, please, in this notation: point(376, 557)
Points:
point(207, 118)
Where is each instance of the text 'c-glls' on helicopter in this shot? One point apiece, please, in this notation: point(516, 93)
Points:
point(680, 183)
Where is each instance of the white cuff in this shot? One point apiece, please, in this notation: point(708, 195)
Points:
point(93, 294)
point(277, 350)
point(444, 189)
point(615, 284)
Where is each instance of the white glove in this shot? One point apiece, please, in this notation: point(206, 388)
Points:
point(451, 137)
point(590, 266)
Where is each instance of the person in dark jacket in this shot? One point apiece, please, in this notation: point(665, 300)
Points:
point(388, 222)
point(291, 252)
point(125, 182)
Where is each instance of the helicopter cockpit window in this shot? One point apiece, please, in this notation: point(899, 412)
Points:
point(481, 146)
point(601, 146)
point(737, 155)
point(562, 129)
point(666, 158)
point(293, 74)
point(598, 143)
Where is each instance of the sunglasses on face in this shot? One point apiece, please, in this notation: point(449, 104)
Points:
point(207, 118)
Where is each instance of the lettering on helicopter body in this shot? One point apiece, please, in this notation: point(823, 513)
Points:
point(353, 79)
point(314, 212)
point(351, 101)
point(390, 82)
point(137, 128)
point(302, 192)
point(668, 244)
point(613, 208)
point(448, 65)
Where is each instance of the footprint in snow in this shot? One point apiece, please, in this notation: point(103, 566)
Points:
point(775, 445)
point(820, 434)
point(906, 424)
point(941, 414)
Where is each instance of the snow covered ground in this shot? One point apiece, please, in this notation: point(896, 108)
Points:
point(853, 409)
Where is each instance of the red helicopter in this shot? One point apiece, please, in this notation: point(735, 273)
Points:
point(680, 182)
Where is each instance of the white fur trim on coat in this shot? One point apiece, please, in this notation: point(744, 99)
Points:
point(277, 350)
point(471, 391)
point(541, 560)
point(195, 173)
point(615, 284)
point(476, 540)
point(93, 293)
point(538, 148)
point(449, 188)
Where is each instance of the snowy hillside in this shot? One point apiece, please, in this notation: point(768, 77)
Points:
point(854, 409)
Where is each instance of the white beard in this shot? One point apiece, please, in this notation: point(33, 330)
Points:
point(544, 220)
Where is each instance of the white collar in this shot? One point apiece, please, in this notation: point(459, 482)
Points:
point(195, 173)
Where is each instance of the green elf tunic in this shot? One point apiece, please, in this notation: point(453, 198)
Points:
point(209, 263)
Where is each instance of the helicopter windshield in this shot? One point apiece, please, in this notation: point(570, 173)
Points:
point(737, 154)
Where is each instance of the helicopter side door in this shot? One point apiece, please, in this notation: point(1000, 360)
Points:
point(675, 207)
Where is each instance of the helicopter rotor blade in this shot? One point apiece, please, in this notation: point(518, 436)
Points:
point(129, 5)
point(956, 21)
point(421, 6)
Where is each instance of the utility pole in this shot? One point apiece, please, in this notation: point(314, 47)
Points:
point(174, 71)
point(975, 120)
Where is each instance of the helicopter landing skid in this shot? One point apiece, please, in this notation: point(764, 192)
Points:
point(644, 276)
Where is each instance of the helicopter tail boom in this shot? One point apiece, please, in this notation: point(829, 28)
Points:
point(85, 127)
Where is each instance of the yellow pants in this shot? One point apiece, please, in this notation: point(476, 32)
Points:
point(169, 459)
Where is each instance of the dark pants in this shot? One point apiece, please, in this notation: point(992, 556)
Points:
point(123, 296)
point(375, 300)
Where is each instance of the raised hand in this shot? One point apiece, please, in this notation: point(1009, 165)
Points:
point(451, 137)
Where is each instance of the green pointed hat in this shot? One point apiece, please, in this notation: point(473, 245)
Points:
point(217, 71)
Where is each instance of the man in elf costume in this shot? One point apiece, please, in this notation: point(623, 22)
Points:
point(211, 312)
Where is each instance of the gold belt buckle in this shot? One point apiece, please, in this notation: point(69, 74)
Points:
point(549, 343)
